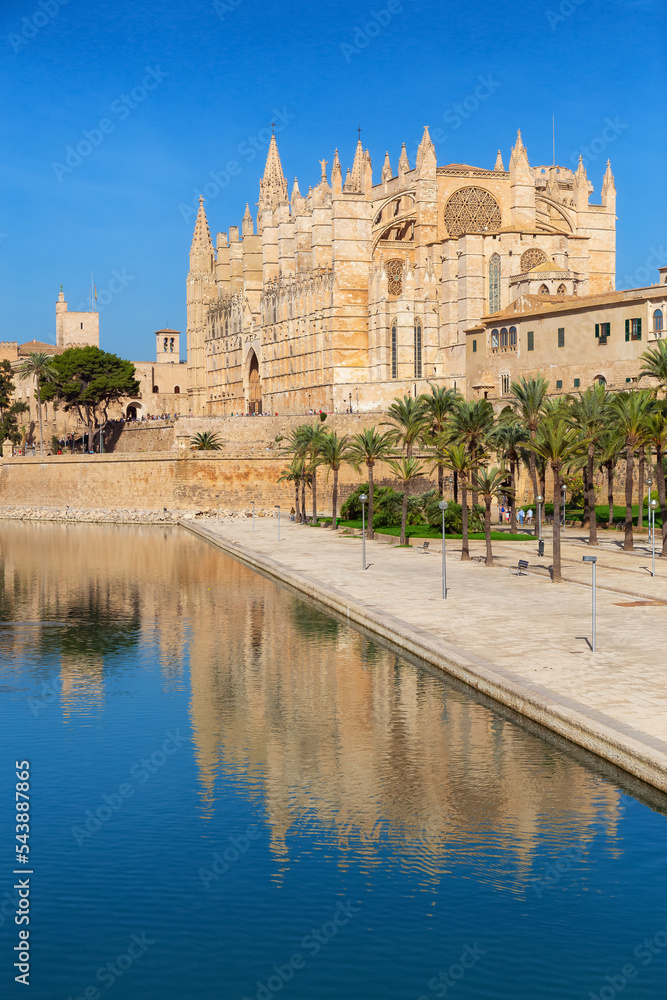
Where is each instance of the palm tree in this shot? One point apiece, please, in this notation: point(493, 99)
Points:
point(472, 424)
point(656, 437)
point(294, 473)
point(629, 412)
point(508, 437)
point(655, 364)
point(40, 367)
point(409, 422)
point(463, 464)
point(405, 469)
point(612, 446)
point(490, 483)
point(437, 409)
point(333, 452)
point(589, 413)
point(309, 438)
point(206, 441)
point(559, 445)
point(366, 448)
point(529, 395)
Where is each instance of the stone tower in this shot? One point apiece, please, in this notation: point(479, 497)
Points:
point(201, 293)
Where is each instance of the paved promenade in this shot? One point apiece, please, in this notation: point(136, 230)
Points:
point(523, 640)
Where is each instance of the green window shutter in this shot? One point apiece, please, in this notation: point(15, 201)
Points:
point(474, 347)
point(559, 383)
point(531, 340)
point(597, 329)
point(627, 329)
point(561, 336)
point(577, 383)
point(639, 329)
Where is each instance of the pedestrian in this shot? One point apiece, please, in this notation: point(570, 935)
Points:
point(529, 515)
point(292, 514)
point(501, 514)
point(520, 516)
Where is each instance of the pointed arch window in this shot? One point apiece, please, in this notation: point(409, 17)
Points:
point(657, 321)
point(543, 290)
point(418, 348)
point(494, 283)
point(394, 350)
point(561, 290)
point(394, 272)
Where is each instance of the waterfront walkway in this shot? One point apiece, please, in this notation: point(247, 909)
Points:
point(523, 640)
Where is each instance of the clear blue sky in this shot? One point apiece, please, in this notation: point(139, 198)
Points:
point(219, 73)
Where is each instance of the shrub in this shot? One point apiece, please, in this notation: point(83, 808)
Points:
point(453, 514)
point(351, 508)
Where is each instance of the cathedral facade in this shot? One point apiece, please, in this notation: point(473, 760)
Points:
point(358, 292)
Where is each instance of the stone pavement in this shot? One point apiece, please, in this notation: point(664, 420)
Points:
point(524, 634)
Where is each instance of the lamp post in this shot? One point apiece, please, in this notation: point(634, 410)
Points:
point(651, 513)
point(649, 483)
point(443, 507)
point(540, 501)
point(253, 515)
point(364, 500)
point(277, 506)
point(592, 560)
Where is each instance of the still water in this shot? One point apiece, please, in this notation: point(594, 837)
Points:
point(233, 795)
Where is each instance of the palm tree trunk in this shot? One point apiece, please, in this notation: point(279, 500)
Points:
point(475, 495)
point(334, 525)
point(592, 524)
point(441, 480)
point(513, 497)
point(640, 488)
point(369, 529)
point(610, 490)
point(660, 481)
point(456, 487)
point(556, 569)
point(297, 518)
point(39, 414)
point(465, 547)
point(533, 477)
point(487, 531)
point(585, 520)
point(303, 499)
point(404, 512)
point(628, 544)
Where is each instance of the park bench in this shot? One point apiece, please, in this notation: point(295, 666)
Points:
point(521, 568)
point(423, 548)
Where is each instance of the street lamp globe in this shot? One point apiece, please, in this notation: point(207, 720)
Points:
point(363, 498)
point(649, 481)
point(653, 504)
point(540, 499)
point(443, 505)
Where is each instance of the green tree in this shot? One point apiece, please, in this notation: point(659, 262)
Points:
point(308, 439)
point(656, 437)
point(409, 422)
point(490, 485)
point(294, 473)
point(472, 424)
point(88, 380)
point(460, 461)
point(366, 448)
point(529, 398)
point(332, 454)
point(206, 441)
point(589, 413)
point(406, 470)
point(611, 447)
point(10, 410)
point(41, 367)
point(508, 437)
point(559, 445)
point(629, 412)
point(655, 364)
point(438, 407)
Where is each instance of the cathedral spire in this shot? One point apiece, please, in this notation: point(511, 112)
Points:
point(425, 146)
point(247, 227)
point(336, 174)
point(356, 180)
point(387, 173)
point(403, 163)
point(273, 185)
point(201, 239)
point(499, 162)
point(608, 198)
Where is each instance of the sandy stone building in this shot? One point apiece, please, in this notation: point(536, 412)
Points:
point(572, 342)
point(359, 291)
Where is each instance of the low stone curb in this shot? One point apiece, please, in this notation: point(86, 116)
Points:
point(637, 753)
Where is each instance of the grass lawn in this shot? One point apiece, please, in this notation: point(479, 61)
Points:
point(602, 513)
point(426, 531)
